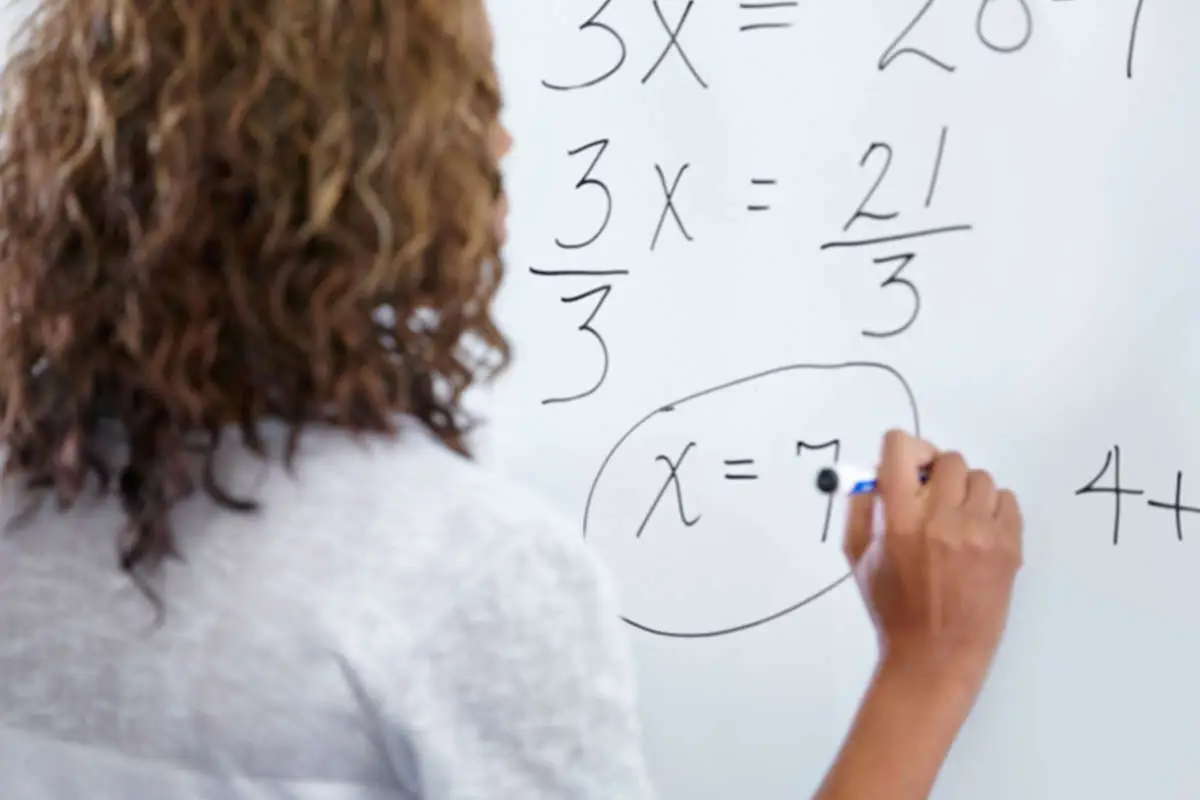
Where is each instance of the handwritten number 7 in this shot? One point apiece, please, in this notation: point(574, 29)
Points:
point(836, 444)
point(895, 280)
point(588, 180)
point(593, 22)
point(586, 327)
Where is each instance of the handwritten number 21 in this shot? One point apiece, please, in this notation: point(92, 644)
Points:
point(586, 327)
point(593, 23)
point(903, 259)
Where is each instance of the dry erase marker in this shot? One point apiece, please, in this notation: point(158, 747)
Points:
point(852, 480)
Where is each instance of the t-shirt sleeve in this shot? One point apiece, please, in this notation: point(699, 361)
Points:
point(525, 690)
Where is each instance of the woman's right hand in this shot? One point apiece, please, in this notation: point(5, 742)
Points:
point(935, 563)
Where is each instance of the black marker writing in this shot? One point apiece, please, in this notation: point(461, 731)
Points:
point(991, 43)
point(593, 23)
point(578, 273)
point(589, 180)
point(836, 445)
point(895, 280)
point(740, 474)
point(1178, 507)
point(765, 21)
point(898, 237)
point(673, 43)
point(760, 182)
point(937, 167)
point(600, 145)
point(861, 211)
point(901, 258)
point(886, 149)
point(608, 493)
point(669, 204)
point(987, 8)
point(1133, 34)
point(672, 478)
point(894, 50)
point(586, 327)
point(1111, 459)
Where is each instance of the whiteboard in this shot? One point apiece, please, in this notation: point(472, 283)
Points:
point(1024, 171)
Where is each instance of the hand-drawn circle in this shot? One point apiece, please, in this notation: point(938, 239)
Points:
point(672, 406)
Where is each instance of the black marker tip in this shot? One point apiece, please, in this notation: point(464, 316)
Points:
point(827, 480)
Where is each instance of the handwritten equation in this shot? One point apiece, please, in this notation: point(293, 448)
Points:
point(1004, 27)
point(1108, 482)
point(994, 29)
point(603, 281)
point(898, 247)
point(700, 508)
point(724, 476)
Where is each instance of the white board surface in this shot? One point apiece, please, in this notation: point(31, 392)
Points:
point(1033, 180)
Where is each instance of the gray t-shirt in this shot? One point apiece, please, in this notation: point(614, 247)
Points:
point(394, 623)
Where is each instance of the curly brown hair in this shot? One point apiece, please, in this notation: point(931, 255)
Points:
point(215, 213)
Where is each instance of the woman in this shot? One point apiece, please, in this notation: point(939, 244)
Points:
point(248, 260)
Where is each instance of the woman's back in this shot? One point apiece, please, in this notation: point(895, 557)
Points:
point(273, 227)
point(394, 622)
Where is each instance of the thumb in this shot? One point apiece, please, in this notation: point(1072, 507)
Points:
point(860, 524)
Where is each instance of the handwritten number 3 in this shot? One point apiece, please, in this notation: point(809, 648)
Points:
point(586, 327)
point(593, 22)
point(895, 280)
point(588, 180)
